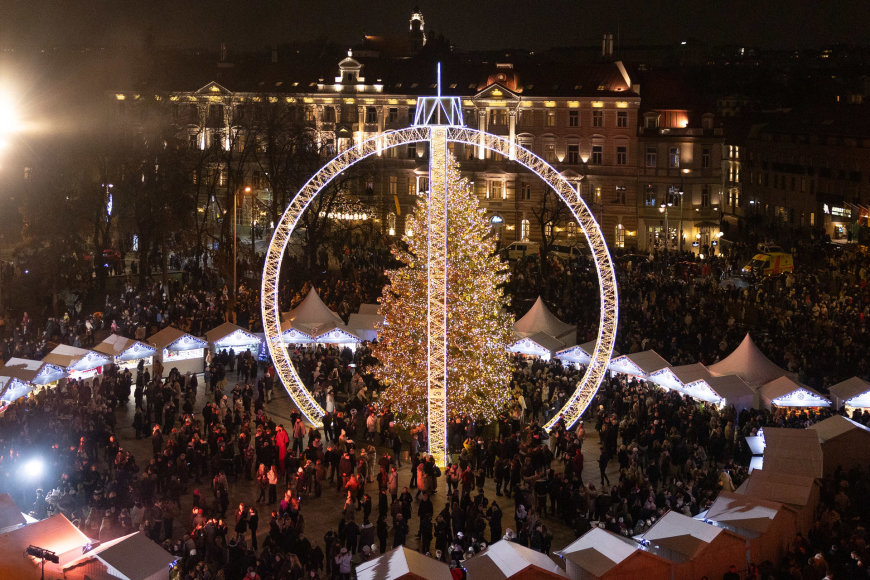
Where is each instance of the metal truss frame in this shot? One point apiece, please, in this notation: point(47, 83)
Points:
point(591, 380)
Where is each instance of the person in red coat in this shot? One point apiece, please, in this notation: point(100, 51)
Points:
point(282, 441)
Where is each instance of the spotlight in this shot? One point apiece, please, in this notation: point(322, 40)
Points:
point(33, 468)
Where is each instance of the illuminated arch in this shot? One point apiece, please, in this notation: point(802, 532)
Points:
point(591, 380)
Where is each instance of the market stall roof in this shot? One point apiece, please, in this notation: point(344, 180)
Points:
point(679, 376)
point(786, 488)
point(580, 354)
point(370, 310)
point(73, 358)
point(506, 559)
point(752, 516)
point(228, 335)
point(403, 563)
point(292, 335)
point(836, 426)
point(598, 551)
point(681, 536)
point(312, 314)
point(639, 364)
point(10, 514)
point(32, 371)
point(56, 533)
point(365, 325)
point(794, 451)
point(854, 392)
point(124, 349)
point(540, 319)
point(784, 392)
point(133, 557)
point(175, 339)
point(336, 334)
point(750, 364)
point(538, 344)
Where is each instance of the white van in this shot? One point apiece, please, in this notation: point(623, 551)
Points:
point(518, 250)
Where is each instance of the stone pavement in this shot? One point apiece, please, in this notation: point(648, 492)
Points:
point(324, 513)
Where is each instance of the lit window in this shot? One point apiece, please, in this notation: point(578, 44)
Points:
point(649, 199)
point(524, 230)
point(548, 230)
point(391, 223)
point(674, 157)
point(571, 229)
point(620, 236)
point(551, 118)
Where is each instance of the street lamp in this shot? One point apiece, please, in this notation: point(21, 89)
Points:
point(683, 173)
point(235, 242)
point(663, 208)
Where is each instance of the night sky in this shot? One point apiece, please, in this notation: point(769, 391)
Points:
point(470, 25)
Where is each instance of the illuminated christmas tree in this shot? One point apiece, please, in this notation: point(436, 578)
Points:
point(478, 325)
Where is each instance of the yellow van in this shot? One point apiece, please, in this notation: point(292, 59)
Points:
point(770, 264)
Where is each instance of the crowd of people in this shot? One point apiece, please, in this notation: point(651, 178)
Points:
point(248, 477)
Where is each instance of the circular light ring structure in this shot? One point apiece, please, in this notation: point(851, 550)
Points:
point(609, 307)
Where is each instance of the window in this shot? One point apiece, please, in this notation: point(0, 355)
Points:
point(621, 155)
point(310, 116)
point(394, 185)
point(371, 115)
point(496, 190)
point(391, 223)
point(597, 155)
point(526, 191)
point(622, 118)
point(674, 157)
point(705, 158)
point(674, 195)
point(422, 184)
point(329, 115)
point(524, 230)
point(550, 152)
point(548, 230)
point(573, 118)
point(649, 198)
point(193, 141)
point(571, 229)
point(705, 196)
point(597, 193)
point(651, 157)
point(620, 236)
point(597, 118)
point(551, 118)
point(573, 154)
point(620, 194)
point(393, 115)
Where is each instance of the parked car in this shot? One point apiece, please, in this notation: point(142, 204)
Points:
point(517, 250)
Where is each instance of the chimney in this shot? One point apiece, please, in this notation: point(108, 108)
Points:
point(610, 45)
point(223, 56)
point(604, 45)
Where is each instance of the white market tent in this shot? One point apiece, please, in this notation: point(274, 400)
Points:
point(639, 364)
point(854, 393)
point(800, 492)
point(750, 364)
point(580, 354)
point(695, 548)
point(18, 377)
point(402, 563)
point(56, 534)
point(177, 349)
point(539, 320)
point(784, 392)
point(131, 557)
point(365, 326)
point(370, 309)
point(602, 555)
point(79, 363)
point(767, 526)
point(734, 391)
point(126, 352)
point(506, 559)
point(539, 344)
point(313, 321)
point(229, 336)
point(676, 378)
point(844, 443)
